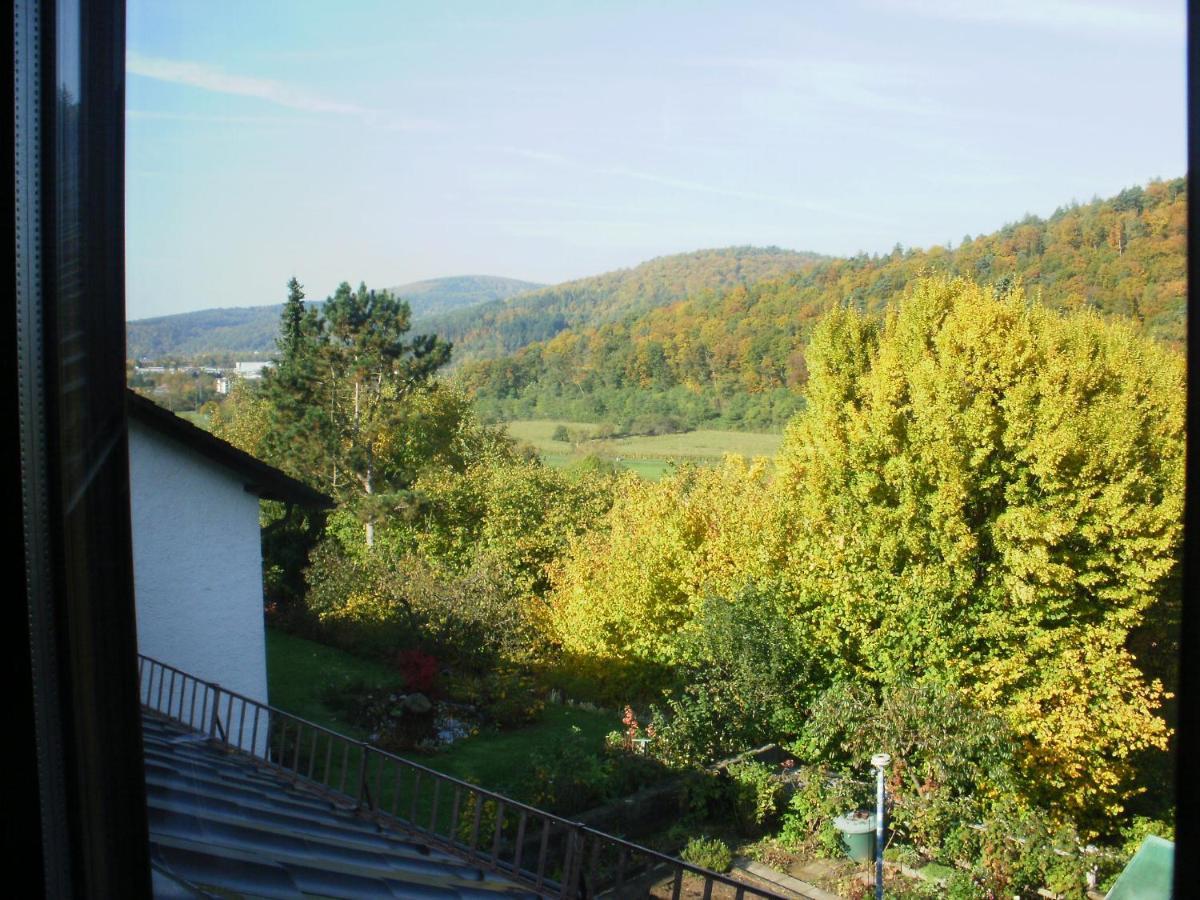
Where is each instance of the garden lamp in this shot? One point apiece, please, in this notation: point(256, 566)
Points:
point(880, 762)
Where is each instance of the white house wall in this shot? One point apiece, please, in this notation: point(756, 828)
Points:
point(197, 564)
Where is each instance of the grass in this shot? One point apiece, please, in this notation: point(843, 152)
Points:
point(651, 456)
point(196, 418)
point(300, 674)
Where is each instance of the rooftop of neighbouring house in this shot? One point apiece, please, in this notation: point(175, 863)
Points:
point(220, 823)
point(264, 480)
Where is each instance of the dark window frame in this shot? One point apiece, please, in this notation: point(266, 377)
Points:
point(82, 831)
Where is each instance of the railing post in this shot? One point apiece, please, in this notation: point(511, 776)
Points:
point(212, 726)
point(573, 865)
point(362, 774)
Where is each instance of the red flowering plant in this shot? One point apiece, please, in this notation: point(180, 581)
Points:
point(418, 668)
point(632, 737)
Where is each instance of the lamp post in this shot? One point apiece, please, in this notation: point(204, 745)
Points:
point(880, 762)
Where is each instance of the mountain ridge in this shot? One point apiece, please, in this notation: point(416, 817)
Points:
point(737, 358)
point(253, 329)
point(501, 327)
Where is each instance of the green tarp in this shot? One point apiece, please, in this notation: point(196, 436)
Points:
point(1148, 875)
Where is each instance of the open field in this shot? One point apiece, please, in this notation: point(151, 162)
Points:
point(649, 456)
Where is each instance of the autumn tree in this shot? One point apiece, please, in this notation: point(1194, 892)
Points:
point(626, 591)
point(990, 491)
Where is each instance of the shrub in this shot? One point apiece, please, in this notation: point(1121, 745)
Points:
point(748, 678)
point(704, 797)
point(561, 434)
point(382, 602)
point(418, 668)
point(757, 795)
point(1017, 852)
point(628, 590)
point(512, 698)
point(568, 777)
point(1110, 864)
point(947, 755)
point(816, 802)
point(708, 853)
point(488, 811)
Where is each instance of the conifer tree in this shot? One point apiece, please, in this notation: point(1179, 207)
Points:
point(341, 416)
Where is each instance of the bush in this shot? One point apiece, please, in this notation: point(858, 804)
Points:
point(1111, 864)
point(757, 795)
point(561, 434)
point(382, 602)
point(747, 681)
point(946, 754)
point(512, 698)
point(629, 589)
point(817, 801)
point(418, 668)
point(569, 777)
point(1017, 852)
point(708, 853)
point(704, 797)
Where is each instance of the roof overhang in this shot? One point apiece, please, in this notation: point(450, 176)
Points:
point(259, 478)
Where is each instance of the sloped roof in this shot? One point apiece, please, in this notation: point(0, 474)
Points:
point(266, 481)
point(220, 822)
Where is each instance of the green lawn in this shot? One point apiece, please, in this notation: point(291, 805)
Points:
point(301, 672)
point(649, 456)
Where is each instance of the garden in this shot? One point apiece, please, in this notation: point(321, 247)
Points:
point(798, 811)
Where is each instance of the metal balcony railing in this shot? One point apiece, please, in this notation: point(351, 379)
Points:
point(552, 855)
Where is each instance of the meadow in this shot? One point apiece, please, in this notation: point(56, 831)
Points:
point(651, 456)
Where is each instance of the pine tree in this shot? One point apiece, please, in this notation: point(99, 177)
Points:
point(291, 332)
point(341, 416)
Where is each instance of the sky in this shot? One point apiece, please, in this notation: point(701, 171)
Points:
point(389, 142)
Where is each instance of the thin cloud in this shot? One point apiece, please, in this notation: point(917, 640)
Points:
point(837, 83)
point(211, 78)
point(683, 184)
point(1119, 19)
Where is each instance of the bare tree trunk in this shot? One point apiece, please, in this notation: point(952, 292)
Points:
point(369, 488)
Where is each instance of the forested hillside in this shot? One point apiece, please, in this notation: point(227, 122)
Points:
point(737, 358)
point(502, 327)
point(249, 330)
point(443, 295)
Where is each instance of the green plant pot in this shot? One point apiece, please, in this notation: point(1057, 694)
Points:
point(858, 835)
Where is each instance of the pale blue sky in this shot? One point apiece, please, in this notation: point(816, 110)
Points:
point(396, 141)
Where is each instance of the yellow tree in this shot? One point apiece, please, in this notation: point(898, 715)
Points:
point(991, 491)
point(628, 590)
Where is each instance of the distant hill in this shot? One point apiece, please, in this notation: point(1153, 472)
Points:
point(501, 327)
point(736, 359)
point(444, 295)
point(244, 330)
